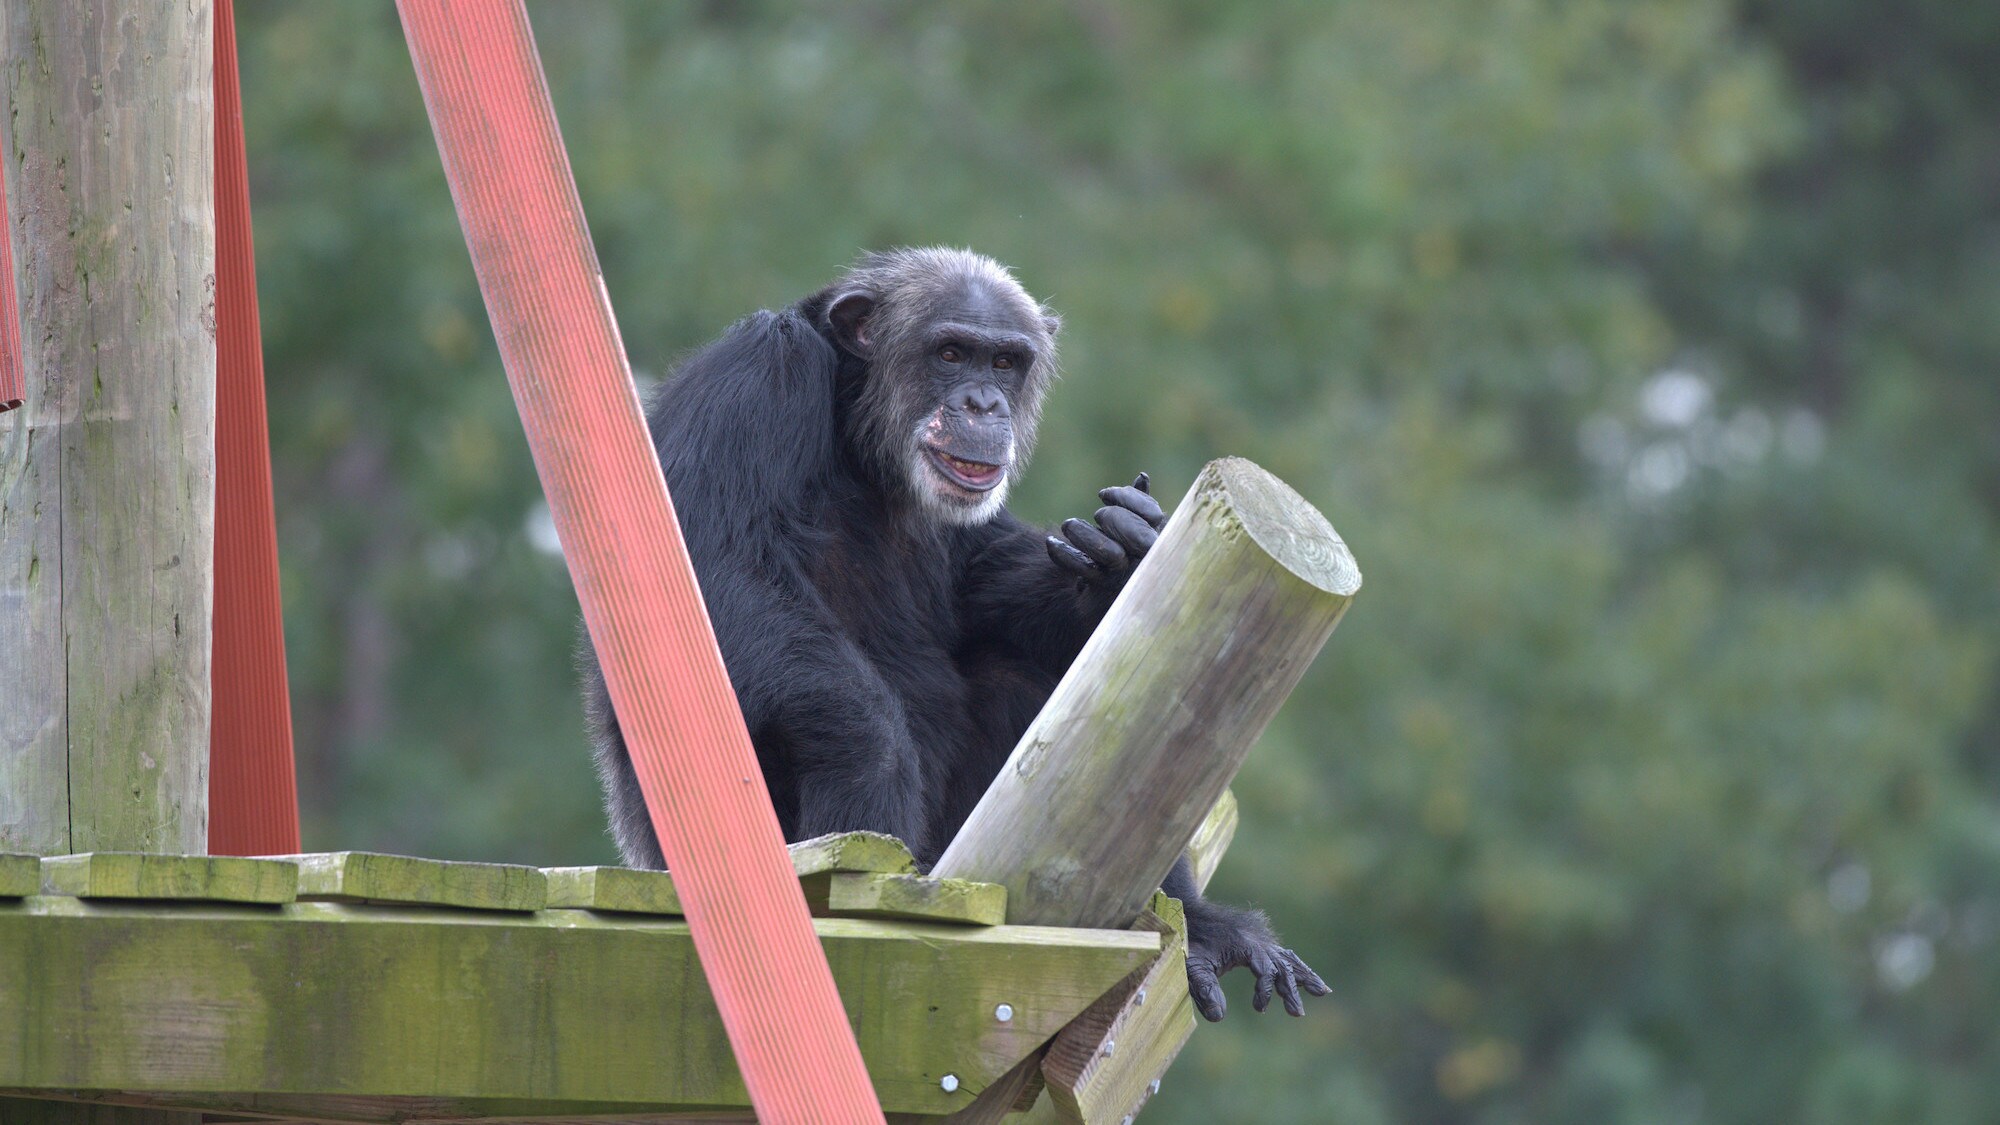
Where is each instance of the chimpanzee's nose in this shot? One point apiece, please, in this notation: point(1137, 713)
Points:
point(983, 400)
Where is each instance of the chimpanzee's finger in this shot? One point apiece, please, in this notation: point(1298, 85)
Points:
point(1096, 544)
point(1311, 980)
point(1129, 530)
point(1072, 560)
point(1206, 993)
point(1288, 989)
point(1143, 483)
point(1267, 973)
point(1145, 506)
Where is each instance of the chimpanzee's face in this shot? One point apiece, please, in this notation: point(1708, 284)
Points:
point(956, 373)
point(974, 360)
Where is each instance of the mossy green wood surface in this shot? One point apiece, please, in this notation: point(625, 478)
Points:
point(293, 1109)
point(629, 890)
point(107, 472)
point(1155, 1035)
point(877, 895)
point(39, 1112)
point(1210, 842)
point(1158, 711)
point(20, 875)
point(192, 878)
point(852, 851)
point(626, 890)
point(828, 893)
point(409, 881)
point(559, 1009)
point(1106, 1064)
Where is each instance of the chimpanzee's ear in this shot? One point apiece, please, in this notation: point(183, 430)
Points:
point(1051, 323)
point(848, 314)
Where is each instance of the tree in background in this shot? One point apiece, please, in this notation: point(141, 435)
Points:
point(1644, 352)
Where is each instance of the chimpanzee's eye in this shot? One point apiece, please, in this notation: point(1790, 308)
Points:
point(950, 354)
point(1003, 362)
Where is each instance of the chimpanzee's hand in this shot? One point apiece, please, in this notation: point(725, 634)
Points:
point(1220, 938)
point(1127, 527)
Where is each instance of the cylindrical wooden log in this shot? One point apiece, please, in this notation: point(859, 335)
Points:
point(107, 473)
point(1157, 713)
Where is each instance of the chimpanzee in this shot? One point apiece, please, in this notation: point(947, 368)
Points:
point(840, 469)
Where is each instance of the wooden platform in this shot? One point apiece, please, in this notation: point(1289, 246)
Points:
point(353, 987)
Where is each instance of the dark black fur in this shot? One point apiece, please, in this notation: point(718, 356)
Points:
point(890, 637)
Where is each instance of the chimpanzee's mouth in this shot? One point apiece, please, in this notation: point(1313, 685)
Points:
point(973, 476)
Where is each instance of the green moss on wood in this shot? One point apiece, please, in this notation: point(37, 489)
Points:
point(409, 881)
point(852, 851)
point(108, 669)
point(18, 1111)
point(197, 878)
point(1101, 1068)
point(249, 1108)
point(621, 889)
point(862, 894)
point(1211, 841)
point(20, 875)
point(566, 1010)
point(879, 895)
point(1139, 740)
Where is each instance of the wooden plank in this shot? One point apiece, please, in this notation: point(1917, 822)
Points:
point(1211, 841)
point(23, 1111)
point(1079, 1058)
point(196, 878)
point(625, 890)
point(634, 891)
point(997, 1102)
point(917, 897)
point(553, 1011)
point(20, 875)
point(828, 894)
point(107, 490)
point(851, 851)
point(404, 880)
point(1160, 708)
point(1108, 1062)
point(281, 1109)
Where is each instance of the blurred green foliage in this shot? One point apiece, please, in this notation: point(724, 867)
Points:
point(1645, 351)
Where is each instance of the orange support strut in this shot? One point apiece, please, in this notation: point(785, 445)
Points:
point(253, 803)
point(510, 177)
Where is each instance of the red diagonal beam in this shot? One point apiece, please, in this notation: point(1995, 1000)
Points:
point(510, 176)
point(253, 801)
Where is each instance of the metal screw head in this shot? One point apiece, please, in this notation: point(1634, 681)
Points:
point(1004, 1012)
point(1141, 998)
point(1153, 1087)
point(1110, 1045)
point(949, 1082)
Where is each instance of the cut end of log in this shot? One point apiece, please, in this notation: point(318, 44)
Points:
point(1291, 531)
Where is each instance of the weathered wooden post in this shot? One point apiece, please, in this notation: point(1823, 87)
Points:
point(1158, 711)
point(1137, 745)
point(107, 473)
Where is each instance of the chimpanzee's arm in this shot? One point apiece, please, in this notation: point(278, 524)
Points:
point(1221, 938)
